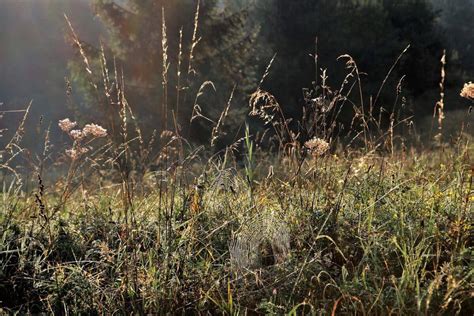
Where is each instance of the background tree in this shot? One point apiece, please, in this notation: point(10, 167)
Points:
point(455, 18)
point(369, 31)
point(456, 22)
point(152, 41)
point(34, 54)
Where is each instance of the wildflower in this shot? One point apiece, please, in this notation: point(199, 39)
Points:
point(76, 134)
point(72, 153)
point(84, 150)
point(66, 125)
point(75, 153)
point(317, 146)
point(94, 130)
point(468, 91)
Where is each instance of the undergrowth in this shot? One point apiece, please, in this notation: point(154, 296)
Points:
point(303, 216)
point(366, 234)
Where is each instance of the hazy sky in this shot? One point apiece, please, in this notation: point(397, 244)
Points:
point(34, 55)
point(33, 51)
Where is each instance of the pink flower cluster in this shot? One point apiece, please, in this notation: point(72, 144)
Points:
point(78, 135)
point(468, 91)
point(75, 153)
point(317, 146)
point(66, 125)
point(93, 130)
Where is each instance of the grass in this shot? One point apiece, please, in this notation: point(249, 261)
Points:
point(357, 234)
point(303, 218)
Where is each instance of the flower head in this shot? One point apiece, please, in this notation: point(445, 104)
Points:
point(468, 91)
point(94, 130)
point(75, 153)
point(66, 125)
point(76, 134)
point(317, 146)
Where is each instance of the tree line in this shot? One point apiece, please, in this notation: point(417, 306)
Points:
point(159, 48)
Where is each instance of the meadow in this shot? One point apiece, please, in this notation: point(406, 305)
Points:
point(292, 217)
point(334, 231)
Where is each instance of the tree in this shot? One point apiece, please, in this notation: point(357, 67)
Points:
point(415, 23)
point(373, 32)
point(169, 48)
point(457, 22)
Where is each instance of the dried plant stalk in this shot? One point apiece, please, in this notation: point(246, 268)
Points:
point(220, 122)
point(439, 107)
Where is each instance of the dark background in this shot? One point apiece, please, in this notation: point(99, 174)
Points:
point(36, 54)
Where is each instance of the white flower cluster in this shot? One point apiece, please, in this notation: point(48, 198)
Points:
point(78, 135)
point(66, 125)
point(94, 130)
point(317, 146)
point(75, 153)
point(468, 91)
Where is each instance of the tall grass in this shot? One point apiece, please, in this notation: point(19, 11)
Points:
point(309, 218)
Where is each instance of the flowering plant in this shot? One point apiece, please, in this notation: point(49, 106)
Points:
point(468, 91)
point(80, 136)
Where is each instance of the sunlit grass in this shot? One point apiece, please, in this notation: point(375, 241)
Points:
point(369, 234)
